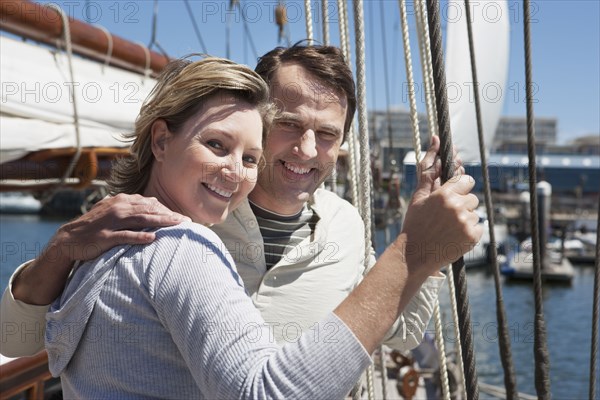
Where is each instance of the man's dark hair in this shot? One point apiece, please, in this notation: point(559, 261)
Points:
point(326, 63)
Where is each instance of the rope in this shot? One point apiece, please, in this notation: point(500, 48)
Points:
point(504, 340)
point(542, 361)
point(147, 69)
point(439, 335)
point(153, 41)
point(414, 117)
point(388, 115)
point(346, 35)
point(365, 176)
point(344, 45)
point(195, 25)
point(384, 378)
point(69, 50)
point(325, 22)
point(456, 325)
point(309, 22)
point(247, 31)
point(332, 180)
point(424, 46)
point(363, 128)
point(439, 341)
point(109, 50)
point(595, 308)
point(458, 268)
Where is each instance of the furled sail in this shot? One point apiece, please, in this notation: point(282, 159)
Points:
point(37, 110)
point(490, 24)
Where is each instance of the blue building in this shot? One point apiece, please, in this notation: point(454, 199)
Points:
point(566, 173)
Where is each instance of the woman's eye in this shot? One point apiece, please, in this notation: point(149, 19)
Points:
point(250, 160)
point(214, 144)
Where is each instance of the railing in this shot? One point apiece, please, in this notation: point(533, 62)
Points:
point(27, 378)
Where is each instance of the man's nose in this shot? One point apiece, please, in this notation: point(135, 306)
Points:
point(306, 148)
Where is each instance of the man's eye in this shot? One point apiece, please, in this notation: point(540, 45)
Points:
point(288, 124)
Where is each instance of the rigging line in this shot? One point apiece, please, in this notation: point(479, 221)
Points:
point(365, 176)
point(325, 21)
point(439, 336)
point(410, 79)
point(363, 128)
point(388, 115)
point(345, 46)
point(504, 339)
point(424, 45)
point(439, 341)
point(195, 26)
point(69, 50)
point(309, 22)
point(373, 85)
point(248, 33)
point(458, 267)
point(153, 41)
point(595, 307)
point(542, 359)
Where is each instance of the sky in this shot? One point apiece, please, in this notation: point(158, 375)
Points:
point(565, 45)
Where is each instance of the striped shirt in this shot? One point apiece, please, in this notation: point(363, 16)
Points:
point(282, 232)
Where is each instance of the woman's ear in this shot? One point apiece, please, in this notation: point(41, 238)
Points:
point(160, 134)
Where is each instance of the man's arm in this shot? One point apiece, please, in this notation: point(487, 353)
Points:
point(36, 284)
point(112, 221)
point(408, 331)
point(442, 218)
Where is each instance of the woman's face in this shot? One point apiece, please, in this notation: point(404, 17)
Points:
point(206, 170)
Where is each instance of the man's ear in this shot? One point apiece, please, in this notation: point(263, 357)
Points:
point(159, 135)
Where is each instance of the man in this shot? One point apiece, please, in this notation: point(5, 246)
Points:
point(299, 249)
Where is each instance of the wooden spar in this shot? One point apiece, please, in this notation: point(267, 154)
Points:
point(40, 23)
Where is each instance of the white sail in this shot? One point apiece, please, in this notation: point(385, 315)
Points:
point(491, 37)
point(37, 110)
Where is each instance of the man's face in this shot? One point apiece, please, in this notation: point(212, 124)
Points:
point(304, 142)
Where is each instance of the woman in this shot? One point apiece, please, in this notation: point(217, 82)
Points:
point(171, 319)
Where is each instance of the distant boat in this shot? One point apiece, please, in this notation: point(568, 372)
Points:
point(556, 268)
point(580, 242)
point(19, 203)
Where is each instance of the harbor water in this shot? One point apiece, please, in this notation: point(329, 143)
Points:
point(567, 309)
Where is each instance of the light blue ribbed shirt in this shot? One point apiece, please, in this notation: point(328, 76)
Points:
point(172, 320)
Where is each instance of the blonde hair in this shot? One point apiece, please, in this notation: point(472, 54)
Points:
point(182, 89)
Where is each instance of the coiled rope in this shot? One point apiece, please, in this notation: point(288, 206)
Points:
point(595, 308)
point(504, 340)
point(542, 361)
point(458, 268)
point(69, 50)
